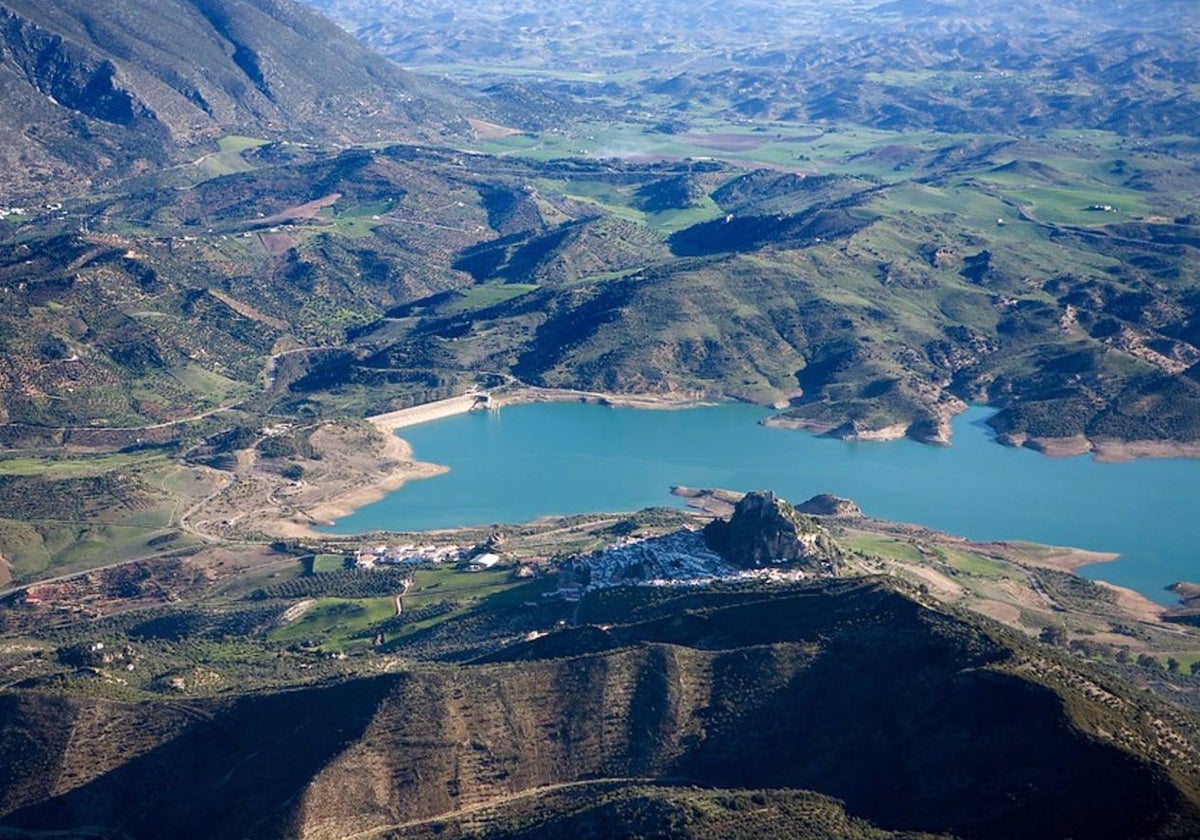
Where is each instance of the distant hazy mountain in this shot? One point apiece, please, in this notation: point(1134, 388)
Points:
point(89, 90)
point(956, 66)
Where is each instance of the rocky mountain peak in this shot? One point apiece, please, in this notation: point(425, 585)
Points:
point(766, 530)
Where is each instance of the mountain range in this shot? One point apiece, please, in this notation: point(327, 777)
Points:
point(229, 231)
point(665, 707)
point(91, 92)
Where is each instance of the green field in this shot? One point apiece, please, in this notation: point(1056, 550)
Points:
point(239, 143)
point(972, 564)
point(213, 388)
point(490, 590)
point(47, 548)
point(81, 466)
point(336, 624)
point(800, 146)
point(341, 624)
point(328, 563)
point(485, 295)
point(886, 547)
point(71, 513)
point(1185, 660)
point(228, 159)
point(432, 586)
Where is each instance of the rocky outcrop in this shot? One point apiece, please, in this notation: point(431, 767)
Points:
point(826, 504)
point(766, 530)
point(1188, 592)
point(1188, 612)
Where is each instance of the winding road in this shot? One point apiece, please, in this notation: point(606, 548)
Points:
point(514, 797)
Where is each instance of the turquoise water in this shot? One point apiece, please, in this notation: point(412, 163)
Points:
point(560, 458)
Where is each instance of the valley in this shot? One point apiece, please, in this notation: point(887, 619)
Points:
point(876, 251)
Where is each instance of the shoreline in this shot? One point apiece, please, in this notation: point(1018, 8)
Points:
point(395, 457)
point(935, 431)
point(1062, 558)
point(325, 512)
point(896, 431)
point(394, 449)
point(657, 402)
point(399, 452)
point(1103, 450)
point(404, 468)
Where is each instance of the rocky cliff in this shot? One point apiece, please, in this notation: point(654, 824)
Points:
point(766, 530)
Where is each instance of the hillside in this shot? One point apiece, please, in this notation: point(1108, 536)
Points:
point(868, 276)
point(858, 300)
point(230, 231)
point(95, 92)
point(828, 687)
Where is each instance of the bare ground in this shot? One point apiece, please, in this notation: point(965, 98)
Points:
point(491, 131)
point(278, 243)
point(308, 210)
point(671, 400)
point(1017, 599)
point(1135, 604)
point(944, 588)
point(393, 468)
point(1001, 611)
point(1060, 558)
point(1107, 450)
point(357, 464)
point(247, 311)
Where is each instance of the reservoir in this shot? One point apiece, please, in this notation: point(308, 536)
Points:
point(537, 459)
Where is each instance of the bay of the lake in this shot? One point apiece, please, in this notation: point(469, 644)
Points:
point(537, 459)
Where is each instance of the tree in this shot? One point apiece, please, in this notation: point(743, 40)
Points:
point(1056, 636)
point(82, 655)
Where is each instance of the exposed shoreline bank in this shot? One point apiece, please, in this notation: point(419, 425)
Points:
point(395, 455)
point(396, 449)
point(1105, 450)
point(404, 469)
point(666, 401)
point(345, 489)
point(396, 465)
